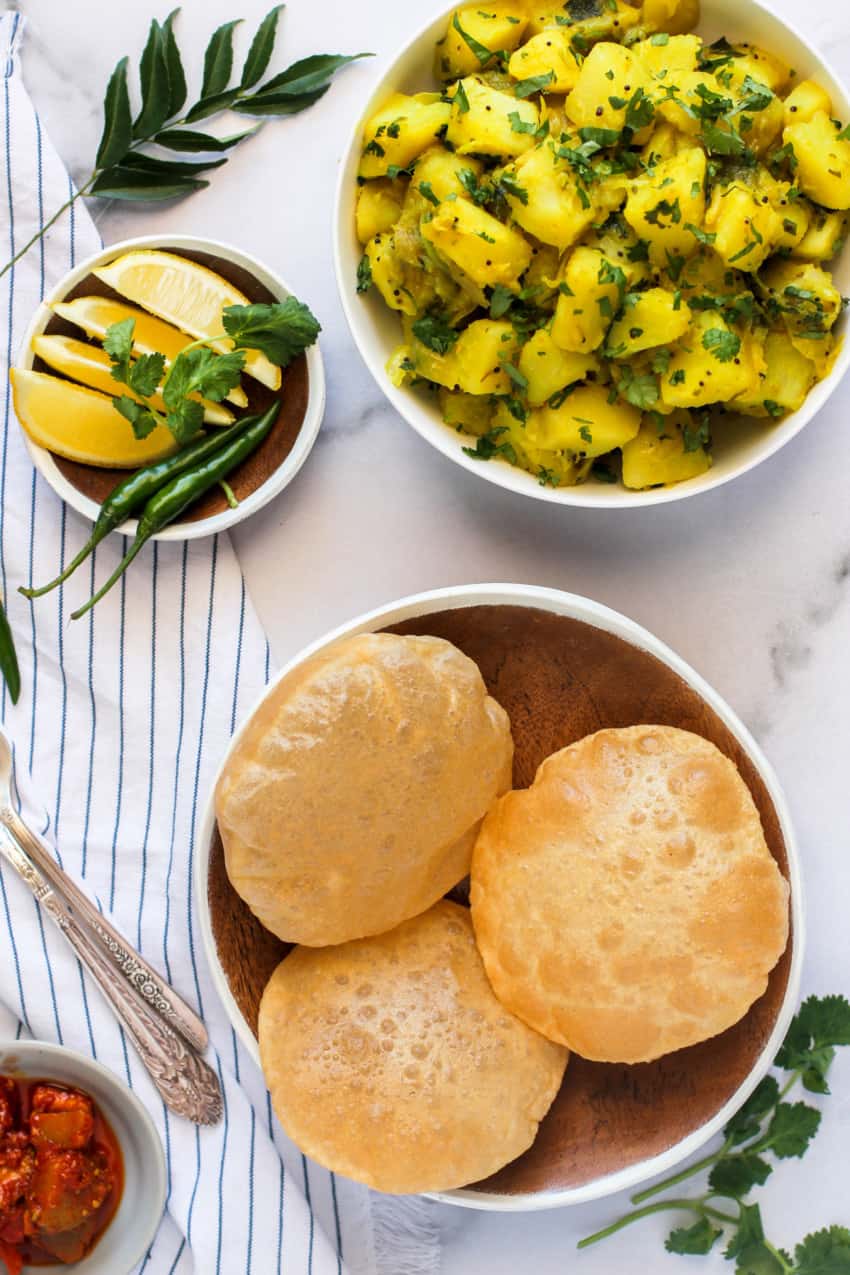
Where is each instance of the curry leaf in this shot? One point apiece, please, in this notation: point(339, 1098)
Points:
point(192, 142)
point(218, 59)
point(153, 75)
point(262, 47)
point(117, 123)
point(177, 88)
point(308, 75)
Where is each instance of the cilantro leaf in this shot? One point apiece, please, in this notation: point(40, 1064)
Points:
point(482, 53)
point(427, 190)
point(736, 1175)
point(118, 344)
point(721, 141)
point(435, 333)
point(202, 371)
point(364, 274)
point(511, 186)
point(697, 435)
point(280, 330)
point(534, 84)
point(145, 374)
point(696, 1240)
point(827, 1019)
point(141, 418)
point(746, 1122)
point(792, 1128)
point(749, 1234)
point(185, 419)
point(501, 300)
point(520, 381)
point(639, 390)
point(722, 343)
point(826, 1252)
point(487, 446)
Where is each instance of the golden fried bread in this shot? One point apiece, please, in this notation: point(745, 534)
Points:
point(390, 1060)
point(627, 904)
point(352, 799)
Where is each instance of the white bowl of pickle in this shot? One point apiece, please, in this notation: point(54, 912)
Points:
point(594, 252)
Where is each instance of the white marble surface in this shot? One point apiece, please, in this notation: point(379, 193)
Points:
point(750, 583)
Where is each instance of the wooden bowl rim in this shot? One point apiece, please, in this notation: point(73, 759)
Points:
point(277, 480)
point(576, 607)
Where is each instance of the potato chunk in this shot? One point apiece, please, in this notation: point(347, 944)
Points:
point(664, 452)
point(805, 101)
point(496, 25)
point(610, 73)
point(439, 171)
point(824, 237)
point(711, 364)
point(783, 385)
point(547, 368)
point(549, 53)
point(388, 273)
point(480, 355)
point(551, 207)
point(469, 412)
point(673, 16)
point(479, 244)
point(379, 205)
point(746, 230)
point(481, 121)
point(664, 59)
point(805, 295)
point(661, 206)
point(586, 423)
point(402, 129)
point(823, 160)
point(650, 318)
point(590, 295)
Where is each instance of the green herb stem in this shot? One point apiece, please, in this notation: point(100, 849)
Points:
point(697, 1206)
point(228, 494)
point(78, 194)
point(705, 1163)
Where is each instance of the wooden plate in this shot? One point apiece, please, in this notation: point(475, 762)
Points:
point(561, 678)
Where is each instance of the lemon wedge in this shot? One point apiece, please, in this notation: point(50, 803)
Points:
point(150, 336)
point(81, 424)
point(185, 294)
point(91, 366)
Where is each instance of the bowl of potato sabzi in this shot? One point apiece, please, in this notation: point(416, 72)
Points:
point(593, 250)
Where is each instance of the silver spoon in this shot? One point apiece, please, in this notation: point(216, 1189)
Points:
point(147, 1006)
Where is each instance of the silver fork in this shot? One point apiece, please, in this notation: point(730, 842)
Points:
point(166, 1032)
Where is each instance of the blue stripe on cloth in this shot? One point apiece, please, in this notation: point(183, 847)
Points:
point(93, 708)
point(8, 394)
point(281, 1192)
point(197, 779)
point(337, 1226)
point(119, 794)
point(151, 741)
point(251, 1153)
point(181, 700)
point(310, 1207)
point(220, 1229)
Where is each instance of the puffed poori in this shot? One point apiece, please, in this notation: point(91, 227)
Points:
point(390, 1060)
point(626, 905)
point(352, 800)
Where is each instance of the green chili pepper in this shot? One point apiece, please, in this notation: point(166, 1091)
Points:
point(135, 491)
point(169, 502)
point(8, 658)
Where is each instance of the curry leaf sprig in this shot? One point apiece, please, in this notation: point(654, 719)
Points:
point(126, 169)
point(765, 1125)
point(281, 330)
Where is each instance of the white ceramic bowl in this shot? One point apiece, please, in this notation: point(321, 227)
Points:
point(45, 462)
point(134, 1225)
point(377, 330)
point(600, 617)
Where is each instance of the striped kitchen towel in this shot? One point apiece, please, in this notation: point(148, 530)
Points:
point(121, 722)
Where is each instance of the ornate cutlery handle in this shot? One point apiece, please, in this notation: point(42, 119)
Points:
point(184, 1081)
point(144, 980)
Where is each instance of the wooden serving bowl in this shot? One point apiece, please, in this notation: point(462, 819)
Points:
point(278, 458)
point(563, 667)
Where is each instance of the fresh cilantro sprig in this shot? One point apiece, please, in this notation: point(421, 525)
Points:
point(765, 1125)
point(125, 169)
point(281, 331)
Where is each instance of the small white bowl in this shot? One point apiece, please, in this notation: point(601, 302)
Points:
point(377, 329)
point(44, 460)
point(600, 617)
point(129, 1234)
